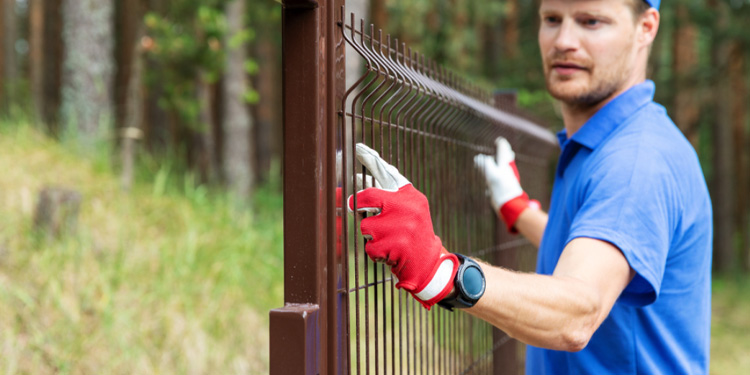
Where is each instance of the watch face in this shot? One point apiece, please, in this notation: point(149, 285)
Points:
point(473, 281)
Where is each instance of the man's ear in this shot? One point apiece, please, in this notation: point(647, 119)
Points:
point(648, 26)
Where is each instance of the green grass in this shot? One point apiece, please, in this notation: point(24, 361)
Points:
point(171, 278)
point(730, 329)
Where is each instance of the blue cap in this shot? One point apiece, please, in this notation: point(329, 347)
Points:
point(653, 3)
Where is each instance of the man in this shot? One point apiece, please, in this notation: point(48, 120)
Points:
point(623, 275)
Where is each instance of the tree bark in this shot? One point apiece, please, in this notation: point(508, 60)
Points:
point(378, 9)
point(738, 85)
point(723, 198)
point(52, 64)
point(129, 21)
point(237, 124)
point(208, 158)
point(10, 63)
point(686, 103)
point(264, 109)
point(2, 53)
point(88, 70)
point(36, 56)
point(132, 130)
point(510, 29)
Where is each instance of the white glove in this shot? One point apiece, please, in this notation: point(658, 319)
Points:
point(504, 183)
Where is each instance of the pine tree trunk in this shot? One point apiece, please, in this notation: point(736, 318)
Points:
point(686, 104)
point(510, 29)
point(378, 10)
point(129, 18)
point(36, 55)
point(2, 53)
point(9, 37)
point(723, 199)
point(263, 110)
point(491, 34)
point(208, 158)
point(237, 123)
point(738, 86)
point(132, 130)
point(52, 64)
point(88, 71)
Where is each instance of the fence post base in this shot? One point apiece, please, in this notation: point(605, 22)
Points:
point(294, 337)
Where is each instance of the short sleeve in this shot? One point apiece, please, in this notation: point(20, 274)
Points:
point(626, 202)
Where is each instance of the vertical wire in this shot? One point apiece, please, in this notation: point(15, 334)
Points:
point(356, 217)
point(344, 216)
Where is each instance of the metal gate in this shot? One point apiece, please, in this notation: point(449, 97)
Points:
point(342, 314)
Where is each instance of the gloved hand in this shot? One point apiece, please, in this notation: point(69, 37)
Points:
point(401, 234)
point(504, 184)
point(361, 183)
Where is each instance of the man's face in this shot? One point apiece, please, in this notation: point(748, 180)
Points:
point(588, 49)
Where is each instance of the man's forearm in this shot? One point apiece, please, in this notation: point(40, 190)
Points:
point(531, 224)
point(561, 311)
point(545, 311)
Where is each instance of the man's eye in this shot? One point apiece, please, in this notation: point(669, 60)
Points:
point(552, 20)
point(590, 22)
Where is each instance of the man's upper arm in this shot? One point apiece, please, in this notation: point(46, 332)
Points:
point(598, 264)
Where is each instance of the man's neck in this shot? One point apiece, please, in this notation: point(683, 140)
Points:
point(575, 116)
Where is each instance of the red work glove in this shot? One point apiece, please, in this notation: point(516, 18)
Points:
point(401, 234)
point(504, 184)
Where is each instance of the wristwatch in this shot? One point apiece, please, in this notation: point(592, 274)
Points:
point(469, 285)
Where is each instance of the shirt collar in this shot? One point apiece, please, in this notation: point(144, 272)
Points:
point(614, 113)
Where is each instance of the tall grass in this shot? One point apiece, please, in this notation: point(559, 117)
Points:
point(730, 342)
point(172, 278)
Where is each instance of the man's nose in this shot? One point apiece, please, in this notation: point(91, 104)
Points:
point(567, 37)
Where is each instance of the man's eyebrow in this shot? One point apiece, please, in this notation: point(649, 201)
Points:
point(590, 13)
point(543, 12)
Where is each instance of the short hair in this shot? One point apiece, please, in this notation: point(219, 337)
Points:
point(639, 7)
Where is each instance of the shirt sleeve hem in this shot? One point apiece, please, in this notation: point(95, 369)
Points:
point(643, 290)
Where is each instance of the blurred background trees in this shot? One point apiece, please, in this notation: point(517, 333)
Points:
point(196, 83)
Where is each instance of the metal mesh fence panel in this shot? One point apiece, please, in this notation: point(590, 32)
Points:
point(342, 312)
point(429, 123)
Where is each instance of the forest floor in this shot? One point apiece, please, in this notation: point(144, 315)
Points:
point(171, 278)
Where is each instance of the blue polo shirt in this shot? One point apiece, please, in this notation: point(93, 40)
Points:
point(629, 177)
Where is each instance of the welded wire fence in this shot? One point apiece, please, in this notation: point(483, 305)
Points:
point(343, 314)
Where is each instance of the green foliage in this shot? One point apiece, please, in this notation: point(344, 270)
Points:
point(189, 46)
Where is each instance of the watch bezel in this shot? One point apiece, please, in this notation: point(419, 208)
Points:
point(462, 298)
point(461, 285)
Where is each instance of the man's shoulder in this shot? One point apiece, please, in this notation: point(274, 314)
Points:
point(648, 136)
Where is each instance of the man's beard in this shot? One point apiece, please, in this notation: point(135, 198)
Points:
point(591, 98)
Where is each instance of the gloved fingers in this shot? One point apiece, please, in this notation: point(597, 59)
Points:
point(374, 247)
point(339, 157)
point(484, 163)
point(371, 182)
point(369, 200)
point(487, 165)
point(376, 252)
point(385, 174)
point(505, 153)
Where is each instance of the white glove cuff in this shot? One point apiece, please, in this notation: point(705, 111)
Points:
point(443, 276)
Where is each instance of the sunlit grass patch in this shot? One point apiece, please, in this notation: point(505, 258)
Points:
point(171, 278)
point(730, 339)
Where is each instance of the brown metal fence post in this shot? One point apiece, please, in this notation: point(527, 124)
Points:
point(300, 341)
